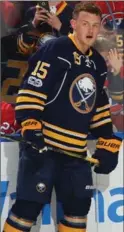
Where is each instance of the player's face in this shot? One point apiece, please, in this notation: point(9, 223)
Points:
point(86, 27)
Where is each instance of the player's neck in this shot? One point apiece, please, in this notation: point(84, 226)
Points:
point(81, 46)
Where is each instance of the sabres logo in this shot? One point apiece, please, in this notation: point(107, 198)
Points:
point(82, 93)
point(41, 187)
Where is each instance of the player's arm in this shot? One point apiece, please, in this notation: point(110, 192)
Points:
point(38, 81)
point(44, 70)
point(108, 144)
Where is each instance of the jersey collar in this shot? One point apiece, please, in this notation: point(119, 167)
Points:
point(71, 36)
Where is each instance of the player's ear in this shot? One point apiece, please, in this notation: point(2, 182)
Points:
point(73, 23)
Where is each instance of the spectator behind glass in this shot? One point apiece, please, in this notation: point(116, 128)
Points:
point(108, 49)
point(42, 25)
point(115, 79)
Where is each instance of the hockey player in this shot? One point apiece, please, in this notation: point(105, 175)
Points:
point(60, 101)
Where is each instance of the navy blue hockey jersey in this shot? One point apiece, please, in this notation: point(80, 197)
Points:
point(63, 88)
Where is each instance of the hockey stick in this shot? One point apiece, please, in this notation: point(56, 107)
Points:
point(47, 148)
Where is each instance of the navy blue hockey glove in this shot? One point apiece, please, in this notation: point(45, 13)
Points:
point(32, 132)
point(107, 153)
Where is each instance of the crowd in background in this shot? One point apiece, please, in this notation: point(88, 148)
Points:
point(25, 26)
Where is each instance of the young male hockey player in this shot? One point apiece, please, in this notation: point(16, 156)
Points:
point(60, 101)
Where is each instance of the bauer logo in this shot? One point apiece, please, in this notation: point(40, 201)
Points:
point(110, 206)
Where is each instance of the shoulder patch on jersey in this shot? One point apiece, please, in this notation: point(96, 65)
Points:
point(35, 81)
point(82, 93)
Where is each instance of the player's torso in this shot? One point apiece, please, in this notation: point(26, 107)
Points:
point(71, 103)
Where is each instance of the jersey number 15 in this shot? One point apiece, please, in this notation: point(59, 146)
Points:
point(40, 70)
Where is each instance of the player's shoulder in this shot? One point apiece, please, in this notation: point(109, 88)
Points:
point(52, 49)
point(58, 44)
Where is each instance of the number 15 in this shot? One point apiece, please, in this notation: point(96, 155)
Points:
point(40, 70)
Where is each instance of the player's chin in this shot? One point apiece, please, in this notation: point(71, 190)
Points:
point(89, 42)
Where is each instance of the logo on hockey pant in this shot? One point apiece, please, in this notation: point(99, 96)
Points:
point(41, 187)
point(82, 93)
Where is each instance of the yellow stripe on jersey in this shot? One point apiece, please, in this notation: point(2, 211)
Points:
point(55, 144)
point(29, 99)
point(103, 122)
point(31, 92)
point(63, 228)
point(103, 108)
point(24, 107)
point(69, 132)
point(101, 115)
point(9, 228)
point(112, 145)
point(64, 138)
point(61, 8)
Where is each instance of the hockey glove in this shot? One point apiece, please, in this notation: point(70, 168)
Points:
point(32, 132)
point(107, 153)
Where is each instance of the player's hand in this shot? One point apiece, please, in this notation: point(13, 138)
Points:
point(115, 61)
point(107, 151)
point(32, 133)
point(107, 162)
point(35, 137)
point(40, 15)
point(54, 21)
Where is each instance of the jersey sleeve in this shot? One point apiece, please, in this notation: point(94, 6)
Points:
point(101, 128)
point(44, 69)
point(101, 123)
